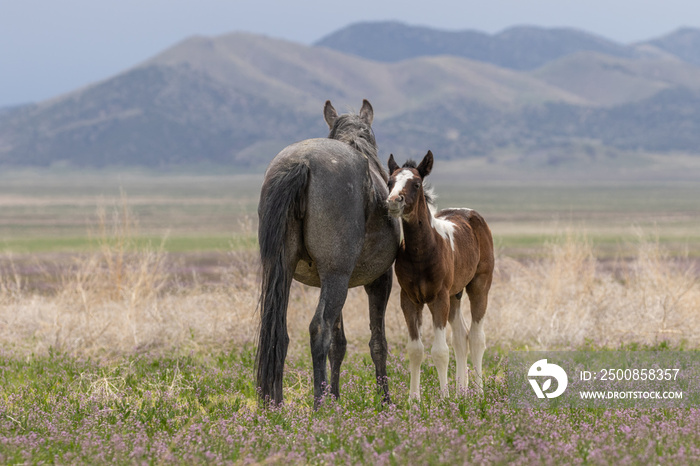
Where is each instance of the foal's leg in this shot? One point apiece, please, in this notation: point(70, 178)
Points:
point(478, 291)
point(414, 349)
point(334, 290)
point(378, 293)
point(336, 354)
point(459, 342)
point(440, 352)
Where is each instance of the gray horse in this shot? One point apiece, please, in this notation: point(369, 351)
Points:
point(324, 222)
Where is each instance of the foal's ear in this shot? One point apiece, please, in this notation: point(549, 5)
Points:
point(426, 165)
point(329, 114)
point(367, 112)
point(393, 166)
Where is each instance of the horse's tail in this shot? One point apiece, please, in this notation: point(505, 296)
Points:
point(282, 201)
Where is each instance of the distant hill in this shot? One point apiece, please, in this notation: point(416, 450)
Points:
point(607, 81)
point(10, 108)
point(519, 48)
point(667, 121)
point(683, 43)
point(237, 99)
point(152, 116)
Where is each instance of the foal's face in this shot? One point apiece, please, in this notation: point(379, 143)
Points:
point(406, 185)
point(405, 189)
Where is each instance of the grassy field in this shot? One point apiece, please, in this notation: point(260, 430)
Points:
point(202, 409)
point(128, 324)
point(60, 213)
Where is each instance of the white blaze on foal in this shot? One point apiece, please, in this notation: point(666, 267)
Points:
point(400, 183)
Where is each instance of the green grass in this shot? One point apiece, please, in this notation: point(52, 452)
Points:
point(605, 245)
point(511, 244)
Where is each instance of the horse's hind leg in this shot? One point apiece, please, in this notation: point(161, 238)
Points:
point(477, 346)
point(459, 342)
point(478, 291)
point(378, 293)
point(336, 354)
point(334, 290)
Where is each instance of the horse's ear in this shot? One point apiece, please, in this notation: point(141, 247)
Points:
point(426, 165)
point(367, 112)
point(329, 114)
point(393, 166)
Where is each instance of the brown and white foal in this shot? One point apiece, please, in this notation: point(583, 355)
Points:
point(441, 254)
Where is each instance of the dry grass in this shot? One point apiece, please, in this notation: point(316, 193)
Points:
point(571, 299)
point(122, 299)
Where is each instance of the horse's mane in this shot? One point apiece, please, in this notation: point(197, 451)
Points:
point(430, 198)
point(428, 190)
point(351, 130)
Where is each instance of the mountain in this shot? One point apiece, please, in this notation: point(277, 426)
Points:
point(608, 81)
point(519, 48)
point(152, 115)
point(666, 121)
point(683, 43)
point(237, 99)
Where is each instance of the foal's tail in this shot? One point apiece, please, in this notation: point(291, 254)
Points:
point(282, 200)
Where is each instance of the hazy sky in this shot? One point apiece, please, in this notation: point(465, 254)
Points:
point(48, 47)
